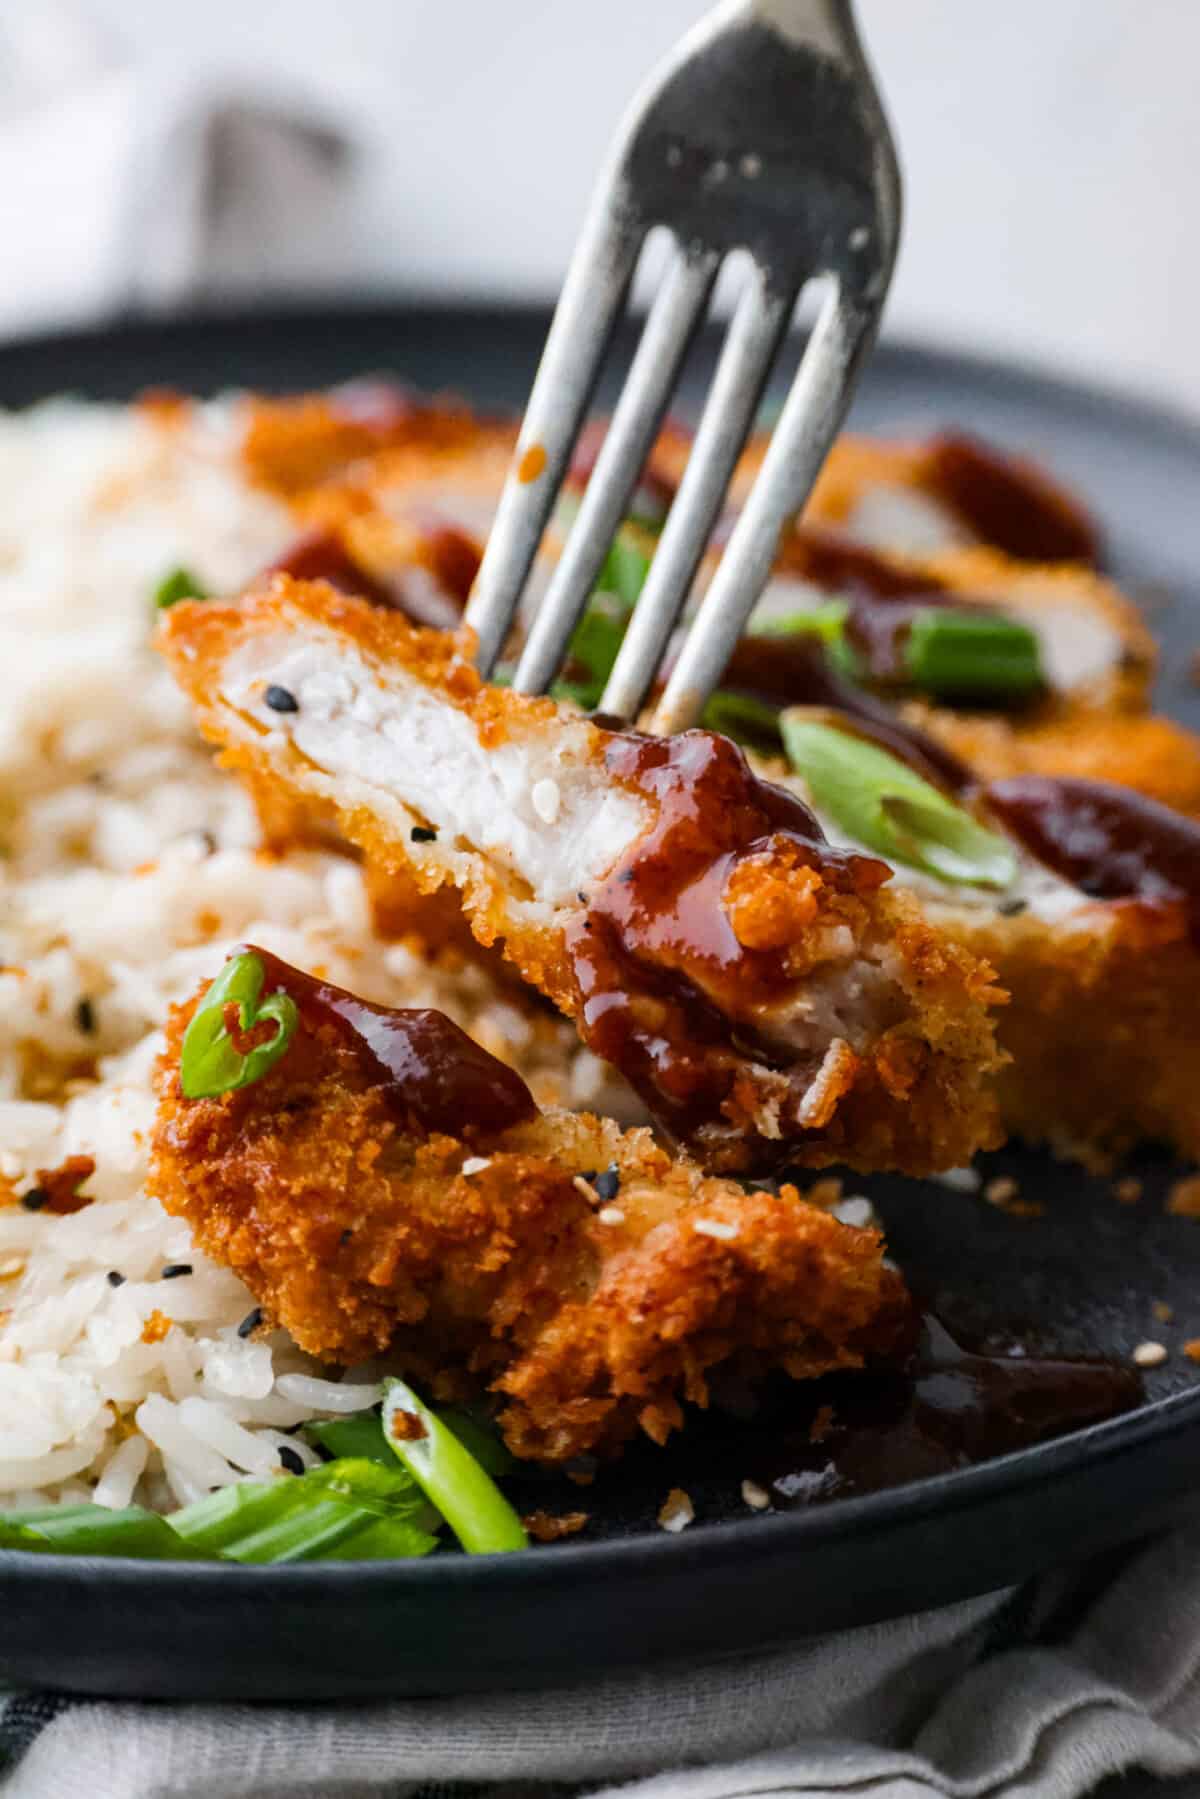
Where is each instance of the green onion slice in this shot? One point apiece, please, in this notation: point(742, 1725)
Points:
point(450, 1476)
point(744, 718)
point(965, 654)
point(92, 1530)
point(209, 1064)
point(179, 584)
point(826, 620)
point(880, 803)
point(349, 1510)
point(361, 1436)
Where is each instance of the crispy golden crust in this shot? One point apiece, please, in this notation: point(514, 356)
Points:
point(1103, 1026)
point(360, 1236)
point(910, 1095)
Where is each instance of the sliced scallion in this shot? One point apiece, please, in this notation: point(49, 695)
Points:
point(884, 806)
point(744, 718)
point(178, 584)
point(971, 654)
point(345, 1510)
point(450, 1476)
point(826, 621)
point(210, 1063)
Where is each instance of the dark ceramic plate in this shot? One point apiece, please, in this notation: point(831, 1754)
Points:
point(1083, 1279)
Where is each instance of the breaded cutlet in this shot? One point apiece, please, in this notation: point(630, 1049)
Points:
point(769, 998)
point(582, 1275)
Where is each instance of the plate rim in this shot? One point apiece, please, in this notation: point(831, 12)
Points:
point(652, 1549)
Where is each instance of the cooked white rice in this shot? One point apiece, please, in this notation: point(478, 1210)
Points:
point(129, 868)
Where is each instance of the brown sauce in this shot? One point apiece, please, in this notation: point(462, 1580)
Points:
point(430, 1070)
point(951, 1407)
point(1009, 505)
point(668, 994)
point(1108, 841)
point(321, 555)
point(795, 671)
point(882, 596)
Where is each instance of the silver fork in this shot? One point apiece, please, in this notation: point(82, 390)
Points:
point(763, 132)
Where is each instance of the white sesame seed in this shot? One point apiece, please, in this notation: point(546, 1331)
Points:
point(677, 1512)
point(751, 166)
point(1150, 1355)
point(960, 1180)
point(546, 800)
point(476, 1164)
point(860, 237)
point(756, 1497)
point(611, 1215)
point(715, 1227)
point(856, 1210)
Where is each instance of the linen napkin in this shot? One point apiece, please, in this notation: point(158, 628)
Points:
point(1040, 1692)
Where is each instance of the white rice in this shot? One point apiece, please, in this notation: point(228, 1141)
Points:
point(129, 868)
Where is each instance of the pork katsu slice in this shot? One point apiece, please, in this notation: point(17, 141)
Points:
point(385, 1186)
point(764, 993)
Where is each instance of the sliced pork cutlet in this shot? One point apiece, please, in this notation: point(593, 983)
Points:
point(387, 1187)
point(767, 995)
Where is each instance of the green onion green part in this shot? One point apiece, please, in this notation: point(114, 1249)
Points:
point(826, 621)
point(347, 1510)
point(179, 584)
point(209, 1063)
point(961, 654)
point(451, 1478)
point(881, 804)
point(744, 718)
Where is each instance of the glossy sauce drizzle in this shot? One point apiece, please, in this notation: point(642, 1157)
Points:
point(1009, 505)
point(950, 1408)
point(882, 596)
point(429, 1069)
point(668, 993)
point(1108, 841)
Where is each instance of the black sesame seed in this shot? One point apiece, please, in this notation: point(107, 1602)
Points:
point(1011, 908)
point(582, 898)
point(173, 1270)
point(250, 1322)
point(422, 834)
point(608, 1184)
point(35, 1199)
point(115, 1279)
point(85, 1017)
point(346, 1235)
point(281, 699)
point(1093, 887)
point(588, 1175)
point(291, 1461)
point(208, 842)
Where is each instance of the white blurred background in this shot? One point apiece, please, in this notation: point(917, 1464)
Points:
point(1050, 149)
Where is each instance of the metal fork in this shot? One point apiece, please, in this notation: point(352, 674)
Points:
point(763, 132)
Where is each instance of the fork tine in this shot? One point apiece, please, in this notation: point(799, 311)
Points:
point(677, 310)
point(807, 426)
point(591, 303)
point(758, 325)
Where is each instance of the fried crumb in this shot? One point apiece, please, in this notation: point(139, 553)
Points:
point(756, 1497)
point(1162, 1311)
point(821, 1425)
point(1128, 1191)
point(677, 1511)
point(406, 1426)
point(156, 1327)
point(1191, 1349)
point(1183, 1197)
point(61, 1185)
point(825, 1193)
point(1001, 1190)
point(1150, 1355)
point(549, 1527)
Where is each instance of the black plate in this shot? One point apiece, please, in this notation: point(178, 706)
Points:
point(1081, 1279)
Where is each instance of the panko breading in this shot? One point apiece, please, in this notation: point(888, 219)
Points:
point(580, 1274)
point(765, 995)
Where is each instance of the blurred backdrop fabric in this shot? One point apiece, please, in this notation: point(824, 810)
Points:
point(153, 151)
